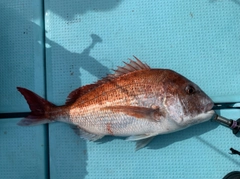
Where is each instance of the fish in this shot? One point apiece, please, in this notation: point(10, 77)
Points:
point(136, 102)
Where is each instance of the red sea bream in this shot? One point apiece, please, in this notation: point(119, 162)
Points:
point(136, 101)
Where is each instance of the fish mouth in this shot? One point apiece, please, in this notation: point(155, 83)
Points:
point(208, 107)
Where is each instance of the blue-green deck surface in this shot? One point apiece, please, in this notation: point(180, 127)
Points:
point(84, 40)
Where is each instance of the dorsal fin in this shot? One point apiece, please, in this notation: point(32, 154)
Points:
point(128, 68)
point(74, 95)
point(131, 67)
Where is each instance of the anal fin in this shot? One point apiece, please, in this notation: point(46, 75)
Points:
point(86, 135)
point(143, 143)
point(142, 140)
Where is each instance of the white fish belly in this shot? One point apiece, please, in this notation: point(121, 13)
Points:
point(124, 125)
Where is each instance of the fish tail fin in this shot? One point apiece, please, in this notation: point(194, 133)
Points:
point(39, 108)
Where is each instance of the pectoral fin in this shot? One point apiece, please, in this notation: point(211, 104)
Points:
point(152, 113)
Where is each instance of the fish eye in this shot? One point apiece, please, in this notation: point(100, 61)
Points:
point(190, 89)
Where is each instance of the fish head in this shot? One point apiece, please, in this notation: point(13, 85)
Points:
point(186, 103)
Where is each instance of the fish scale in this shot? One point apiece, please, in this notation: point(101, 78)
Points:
point(136, 101)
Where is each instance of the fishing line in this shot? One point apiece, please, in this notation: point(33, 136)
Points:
point(14, 115)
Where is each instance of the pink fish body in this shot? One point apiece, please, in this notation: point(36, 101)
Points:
point(136, 101)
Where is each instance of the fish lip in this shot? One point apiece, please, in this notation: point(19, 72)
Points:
point(208, 107)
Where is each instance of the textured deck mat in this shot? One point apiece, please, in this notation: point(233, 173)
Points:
point(200, 40)
point(22, 151)
point(21, 54)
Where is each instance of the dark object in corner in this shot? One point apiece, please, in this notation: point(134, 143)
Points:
point(234, 151)
point(232, 175)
